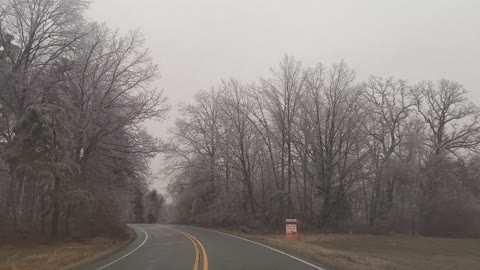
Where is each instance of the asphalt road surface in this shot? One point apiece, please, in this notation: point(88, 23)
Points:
point(171, 247)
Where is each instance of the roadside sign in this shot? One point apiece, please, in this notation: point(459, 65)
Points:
point(291, 228)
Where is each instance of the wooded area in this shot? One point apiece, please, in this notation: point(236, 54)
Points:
point(382, 155)
point(74, 157)
point(343, 155)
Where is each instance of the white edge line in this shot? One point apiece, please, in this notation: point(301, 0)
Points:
point(144, 241)
point(276, 250)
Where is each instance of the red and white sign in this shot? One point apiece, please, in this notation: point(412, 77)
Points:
point(291, 228)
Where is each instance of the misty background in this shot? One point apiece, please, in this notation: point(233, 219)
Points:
point(198, 43)
point(360, 118)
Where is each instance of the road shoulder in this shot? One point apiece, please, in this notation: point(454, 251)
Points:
point(132, 235)
point(375, 252)
point(22, 254)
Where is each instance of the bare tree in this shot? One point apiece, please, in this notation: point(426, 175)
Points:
point(242, 138)
point(453, 127)
point(338, 150)
point(389, 105)
point(452, 121)
point(44, 31)
point(283, 94)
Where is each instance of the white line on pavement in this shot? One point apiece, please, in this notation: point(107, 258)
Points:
point(276, 250)
point(144, 241)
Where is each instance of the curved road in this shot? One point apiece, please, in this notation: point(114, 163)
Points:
point(170, 247)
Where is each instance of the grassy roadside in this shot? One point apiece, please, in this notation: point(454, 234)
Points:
point(64, 255)
point(362, 252)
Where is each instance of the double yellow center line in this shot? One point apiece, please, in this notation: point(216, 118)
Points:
point(196, 244)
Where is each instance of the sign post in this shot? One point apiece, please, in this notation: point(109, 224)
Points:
point(291, 228)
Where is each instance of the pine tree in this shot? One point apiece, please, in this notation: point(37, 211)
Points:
point(40, 151)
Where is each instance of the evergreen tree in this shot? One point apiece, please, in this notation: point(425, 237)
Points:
point(40, 151)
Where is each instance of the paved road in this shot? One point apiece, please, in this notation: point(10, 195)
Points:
point(171, 247)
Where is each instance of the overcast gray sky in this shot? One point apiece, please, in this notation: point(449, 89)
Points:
point(198, 42)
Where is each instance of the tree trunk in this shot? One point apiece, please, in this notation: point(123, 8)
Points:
point(56, 210)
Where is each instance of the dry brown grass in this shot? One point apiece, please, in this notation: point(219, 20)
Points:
point(57, 255)
point(397, 252)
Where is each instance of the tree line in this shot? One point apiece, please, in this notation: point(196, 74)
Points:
point(378, 156)
point(74, 156)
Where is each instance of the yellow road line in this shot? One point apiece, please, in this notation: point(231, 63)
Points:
point(195, 241)
point(197, 253)
point(205, 257)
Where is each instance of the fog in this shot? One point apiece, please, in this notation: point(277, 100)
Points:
point(197, 43)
